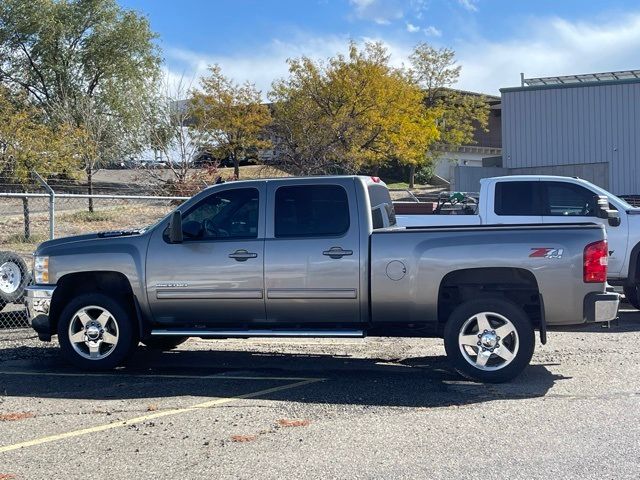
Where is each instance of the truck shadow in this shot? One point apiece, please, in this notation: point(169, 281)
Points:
point(413, 382)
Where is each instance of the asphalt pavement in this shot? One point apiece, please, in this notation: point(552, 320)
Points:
point(375, 408)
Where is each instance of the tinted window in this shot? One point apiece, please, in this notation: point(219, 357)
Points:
point(311, 211)
point(228, 214)
point(518, 198)
point(565, 199)
point(379, 196)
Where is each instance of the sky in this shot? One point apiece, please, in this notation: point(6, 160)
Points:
point(494, 40)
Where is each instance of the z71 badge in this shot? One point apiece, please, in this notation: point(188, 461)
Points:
point(546, 252)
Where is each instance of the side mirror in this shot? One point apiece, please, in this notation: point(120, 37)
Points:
point(175, 227)
point(603, 211)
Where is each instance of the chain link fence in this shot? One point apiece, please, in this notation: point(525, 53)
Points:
point(28, 218)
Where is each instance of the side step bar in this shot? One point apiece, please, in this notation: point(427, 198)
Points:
point(259, 333)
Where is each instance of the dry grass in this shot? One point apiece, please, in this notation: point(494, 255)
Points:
point(73, 219)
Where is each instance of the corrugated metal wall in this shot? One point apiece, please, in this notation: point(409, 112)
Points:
point(467, 179)
point(544, 127)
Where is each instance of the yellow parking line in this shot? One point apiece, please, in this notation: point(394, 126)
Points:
point(143, 418)
point(152, 375)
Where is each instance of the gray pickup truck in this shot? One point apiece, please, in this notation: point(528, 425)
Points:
point(318, 257)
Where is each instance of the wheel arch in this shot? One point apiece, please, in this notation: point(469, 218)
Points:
point(111, 283)
point(634, 268)
point(518, 285)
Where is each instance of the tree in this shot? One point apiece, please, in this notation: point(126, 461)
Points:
point(28, 144)
point(459, 114)
point(173, 140)
point(349, 113)
point(82, 62)
point(231, 115)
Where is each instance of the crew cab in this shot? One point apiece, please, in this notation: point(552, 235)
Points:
point(547, 199)
point(317, 257)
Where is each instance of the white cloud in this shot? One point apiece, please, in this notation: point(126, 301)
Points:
point(432, 31)
point(382, 12)
point(469, 5)
point(260, 66)
point(550, 47)
point(543, 47)
point(411, 28)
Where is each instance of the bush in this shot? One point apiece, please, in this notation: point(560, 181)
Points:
point(424, 173)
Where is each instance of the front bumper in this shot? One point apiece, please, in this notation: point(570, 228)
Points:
point(38, 302)
point(601, 307)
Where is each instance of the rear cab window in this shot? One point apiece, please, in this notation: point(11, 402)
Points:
point(382, 212)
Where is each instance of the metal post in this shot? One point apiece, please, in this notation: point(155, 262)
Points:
point(52, 204)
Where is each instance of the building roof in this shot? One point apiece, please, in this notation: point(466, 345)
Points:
point(580, 80)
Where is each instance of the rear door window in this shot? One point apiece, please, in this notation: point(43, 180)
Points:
point(518, 198)
point(311, 211)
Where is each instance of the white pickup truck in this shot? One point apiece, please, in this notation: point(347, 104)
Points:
point(546, 199)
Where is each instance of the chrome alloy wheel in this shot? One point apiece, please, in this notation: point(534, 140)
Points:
point(488, 341)
point(93, 332)
point(10, 277)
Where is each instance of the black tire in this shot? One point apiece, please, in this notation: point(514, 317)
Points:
point(164, 343)
point(524, 338)
point(632, 295)
point(13, 269)
point(126, 333)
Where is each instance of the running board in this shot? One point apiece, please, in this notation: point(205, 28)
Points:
point(258, 333)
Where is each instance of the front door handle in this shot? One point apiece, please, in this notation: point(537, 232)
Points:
point(242, 255)
point(337, 252)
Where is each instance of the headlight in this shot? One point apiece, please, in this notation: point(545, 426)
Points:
point(41, 269)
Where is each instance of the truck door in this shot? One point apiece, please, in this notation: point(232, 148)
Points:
point(515, 202)
point(312, 257)
point(216, 275)
point(566, 202)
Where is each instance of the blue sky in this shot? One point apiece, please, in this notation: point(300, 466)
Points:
point(495, 40)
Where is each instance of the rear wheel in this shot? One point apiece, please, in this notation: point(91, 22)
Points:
point(164, 343)
point(632, 295)
point(489, 340)
point(96, 332)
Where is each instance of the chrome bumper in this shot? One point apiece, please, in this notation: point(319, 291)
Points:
point(601, 307)
point(38, 301)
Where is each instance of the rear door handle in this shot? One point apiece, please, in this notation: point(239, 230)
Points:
point(337, 252)
point(242, 255)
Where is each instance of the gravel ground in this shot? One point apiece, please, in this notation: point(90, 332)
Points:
point(378, 408)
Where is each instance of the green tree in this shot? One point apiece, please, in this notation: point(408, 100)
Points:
point(349, 113)
point(83, 62)
point(458, 114)
point(28, 144)
point(232, 117)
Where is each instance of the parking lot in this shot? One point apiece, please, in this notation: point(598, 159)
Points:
point(379, 408)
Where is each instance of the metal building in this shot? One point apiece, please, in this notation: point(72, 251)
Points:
point(578, 125)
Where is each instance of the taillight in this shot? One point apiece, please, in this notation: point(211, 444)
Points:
point(596, 258)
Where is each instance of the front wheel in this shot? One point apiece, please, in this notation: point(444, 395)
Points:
point(96, 332)
point(489, 340)
point(632, 296)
